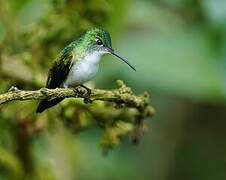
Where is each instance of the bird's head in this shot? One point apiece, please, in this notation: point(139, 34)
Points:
point(99, 41)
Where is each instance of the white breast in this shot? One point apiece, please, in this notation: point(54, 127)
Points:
point(83, 70)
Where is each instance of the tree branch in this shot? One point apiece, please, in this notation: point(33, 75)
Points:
point(121, 96)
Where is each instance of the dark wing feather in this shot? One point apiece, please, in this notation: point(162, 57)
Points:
point(60, 69)
point(57, 74)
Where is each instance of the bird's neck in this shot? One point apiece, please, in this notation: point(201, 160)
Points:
point(92, 58)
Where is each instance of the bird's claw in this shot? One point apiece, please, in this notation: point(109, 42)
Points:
point(78, 91)
point(87, 99)
point(88, 90)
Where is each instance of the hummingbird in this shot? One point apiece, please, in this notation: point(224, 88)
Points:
point(78, 63)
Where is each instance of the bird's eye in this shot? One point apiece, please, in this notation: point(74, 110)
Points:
point(99, 42)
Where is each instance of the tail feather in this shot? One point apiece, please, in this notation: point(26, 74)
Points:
point(45, 104)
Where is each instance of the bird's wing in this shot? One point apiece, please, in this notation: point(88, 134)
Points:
point(60, 68)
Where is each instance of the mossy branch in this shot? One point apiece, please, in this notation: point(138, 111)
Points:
point(121, 96)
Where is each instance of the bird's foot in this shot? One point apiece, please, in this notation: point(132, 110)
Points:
point(78, 91)
point(88, 90)
point(87, 99)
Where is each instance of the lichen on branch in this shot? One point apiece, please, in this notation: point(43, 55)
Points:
point(121, 97)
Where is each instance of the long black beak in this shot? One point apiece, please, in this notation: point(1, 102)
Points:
point(124, 60)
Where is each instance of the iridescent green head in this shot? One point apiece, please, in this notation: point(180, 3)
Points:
point(99, 41)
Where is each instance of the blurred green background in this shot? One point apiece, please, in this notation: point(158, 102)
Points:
point(179, 50)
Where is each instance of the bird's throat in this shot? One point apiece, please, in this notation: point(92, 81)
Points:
point(83, 70)
point(92, 58)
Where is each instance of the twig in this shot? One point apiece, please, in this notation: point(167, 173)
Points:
point(121, 96)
